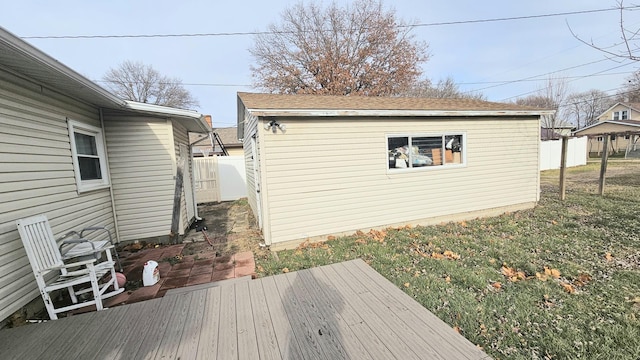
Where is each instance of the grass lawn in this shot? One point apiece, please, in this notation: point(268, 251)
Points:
point(556, 282)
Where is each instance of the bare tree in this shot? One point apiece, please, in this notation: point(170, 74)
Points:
point(358, 49)
point(630, 91)
point(138, 82)
point(585, 107)
point(446, 88)
point(551, 96)
point(627, 47)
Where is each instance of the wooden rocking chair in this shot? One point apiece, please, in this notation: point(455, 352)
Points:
point(81, 277)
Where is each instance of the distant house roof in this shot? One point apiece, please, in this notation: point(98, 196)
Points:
point(610, 127)
point(321, 105)
point(549, 134)
point(229, 136)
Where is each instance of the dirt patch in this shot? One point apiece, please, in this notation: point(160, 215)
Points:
point(230, 228)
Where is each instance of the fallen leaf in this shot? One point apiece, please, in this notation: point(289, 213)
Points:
point(542, 277)
point(361, 241)
point(436, 255)
point(416, 274)
point(331, 237)
point(260, 268)
point(497, 285)
point(285, 270)
point(447, 279)
point(451, 255)
point(463, 223)
point(554, 273)
point(407, 284)
point(492, 261)
point(568, 288)
point(608, 256)
point(457, 329)
point(582, 280)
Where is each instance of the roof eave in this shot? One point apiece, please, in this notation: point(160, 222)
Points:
point(195, 117)
point(394, 113)
point(54, 65)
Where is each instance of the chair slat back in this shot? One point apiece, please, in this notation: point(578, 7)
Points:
point(39, 243)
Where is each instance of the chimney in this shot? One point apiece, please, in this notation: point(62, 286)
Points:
point(207, 118)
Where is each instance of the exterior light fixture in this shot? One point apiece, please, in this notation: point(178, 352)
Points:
point(273, 125)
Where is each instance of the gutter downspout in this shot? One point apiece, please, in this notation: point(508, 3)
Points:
point(193, 184)
point(113, 200)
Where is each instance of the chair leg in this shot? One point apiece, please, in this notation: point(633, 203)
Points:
point(48, 304)
point(96, 288)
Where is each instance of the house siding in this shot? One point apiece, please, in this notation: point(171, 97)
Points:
point(37, 177)
point(250, 128)
point(142, 175)
point(181, 136)
point(331, 176)
point(609, 114)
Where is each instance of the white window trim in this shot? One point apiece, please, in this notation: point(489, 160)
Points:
point(427, 168)
point(88, 185)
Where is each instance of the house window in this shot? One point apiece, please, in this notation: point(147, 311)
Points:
point(627, 137)
point(418, 151)
point(599, 138)
point(621, 115)
point(89, 160)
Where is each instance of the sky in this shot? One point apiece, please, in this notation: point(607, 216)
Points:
point(502, 59)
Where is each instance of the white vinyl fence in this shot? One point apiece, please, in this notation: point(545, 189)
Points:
point(219, 178)
point(551, 151)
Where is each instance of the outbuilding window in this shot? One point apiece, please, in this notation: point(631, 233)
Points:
point(419, 151)
point(87, 150)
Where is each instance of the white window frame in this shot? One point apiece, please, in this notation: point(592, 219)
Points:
point(82, 128)
point(620, 115)
point(463, 153)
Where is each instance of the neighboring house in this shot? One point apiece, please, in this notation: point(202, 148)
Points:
point(82, 156)
point(206, 144)
point(621, 121)
point(331, 165)
point(549, 134)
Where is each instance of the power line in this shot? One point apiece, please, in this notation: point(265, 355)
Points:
point(585, 76)
point(246, 33)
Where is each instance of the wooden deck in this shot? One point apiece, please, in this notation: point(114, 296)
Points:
point(339, 311)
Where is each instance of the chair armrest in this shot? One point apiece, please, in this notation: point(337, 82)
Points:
point(97, 228)
point(75, 264)
point(70, 233)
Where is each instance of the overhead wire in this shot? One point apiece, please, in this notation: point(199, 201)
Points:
point(249, 33)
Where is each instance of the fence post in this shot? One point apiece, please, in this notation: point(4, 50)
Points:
point(603, 163)
point(563, 166)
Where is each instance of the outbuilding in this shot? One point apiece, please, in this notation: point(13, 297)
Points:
point(320, 166)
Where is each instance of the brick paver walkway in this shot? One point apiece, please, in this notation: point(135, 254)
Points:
point(177, 271)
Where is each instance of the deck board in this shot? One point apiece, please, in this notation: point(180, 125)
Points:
point(339, 311)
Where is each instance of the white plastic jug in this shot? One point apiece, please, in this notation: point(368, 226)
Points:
point(150, 273)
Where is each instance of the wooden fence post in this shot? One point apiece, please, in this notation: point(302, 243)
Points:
point(603, 163)
point(563, 166)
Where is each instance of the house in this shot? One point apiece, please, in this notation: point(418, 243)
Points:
point(320, 166)
point(207, 144)
point(620, 121)
point(82, 156)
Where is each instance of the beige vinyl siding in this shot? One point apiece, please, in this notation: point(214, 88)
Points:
point(235, 151)
point(181, 136)
point(633, 115)
point(250, 128)
point(37, 177)
point(331, 176)
point(140, 159)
